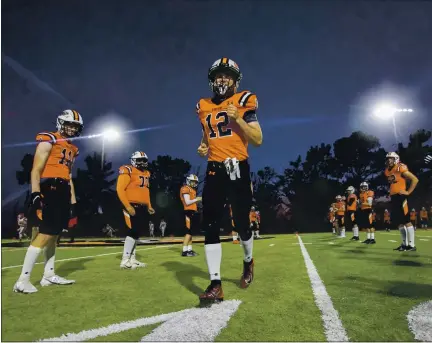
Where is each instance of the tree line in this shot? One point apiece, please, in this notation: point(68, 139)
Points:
point(295, 200)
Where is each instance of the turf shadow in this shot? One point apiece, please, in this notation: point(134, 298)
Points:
point(65, 268)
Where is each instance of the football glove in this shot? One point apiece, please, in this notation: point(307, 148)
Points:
point(73, 221)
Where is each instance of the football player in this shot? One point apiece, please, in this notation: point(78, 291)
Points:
point(366, 197)
point(423, 218)
point(134, 193)
point(413, 218)
point(190, 206)
point(339, 209)
point(397, 173)
point(331, 218)
point(351, 208)
point(162, 227)
point(22, 226)
point(234, 233)
point(229, 124)
point(52, 198)
point(258, 220)
point(387, 220)
point(253, 221)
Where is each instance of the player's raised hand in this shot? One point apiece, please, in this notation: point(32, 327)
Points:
point(130, 210)
point(203, 150)
point(232, 112)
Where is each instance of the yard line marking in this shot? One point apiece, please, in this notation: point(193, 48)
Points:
point(422, 239)
point(83, 257)
point(271, 245)
point(194, 324)
point(331, 243)
point(397, 234)
point(300, 243)
point(333, 327)
point(391, 240)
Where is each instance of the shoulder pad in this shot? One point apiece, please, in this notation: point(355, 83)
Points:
point(46, 137)
point(125, 170)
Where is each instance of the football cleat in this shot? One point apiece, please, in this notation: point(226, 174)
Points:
point(248, 274)
point(410, 248)
point(367, 241)
point(372, 241)
point(25, 287)
point(126, 264)
point(137, 264)
point(55, 280)
point(192, 253)
point(185, 254)
point(213, 294)
point(400, 248)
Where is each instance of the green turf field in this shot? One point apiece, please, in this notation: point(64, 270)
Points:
point(372, 288)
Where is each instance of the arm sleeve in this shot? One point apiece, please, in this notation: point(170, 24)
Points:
point(122, 182)
point(188, 200)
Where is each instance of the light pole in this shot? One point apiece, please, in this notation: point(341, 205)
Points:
point(388, 111)
point(110, 134)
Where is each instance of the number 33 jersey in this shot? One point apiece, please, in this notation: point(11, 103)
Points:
point(61, 157)
point(136, 184)
point(225, 137)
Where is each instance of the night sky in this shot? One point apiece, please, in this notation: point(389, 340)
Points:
point(316, 67)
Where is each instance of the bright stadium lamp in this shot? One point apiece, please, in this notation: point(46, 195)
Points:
point(110, 135)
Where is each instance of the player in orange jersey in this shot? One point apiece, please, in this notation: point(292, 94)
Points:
point(190, 201)
point(423, 218)
point(366, 197)
point(133, 191)
point(397, 173)
point(387, 220)
point(350, 214)
point(229, 124)
point(339, 210)
point(258, 220)
point(332, 217)
point(234, 233)
point(413, 218)
point(52, 199)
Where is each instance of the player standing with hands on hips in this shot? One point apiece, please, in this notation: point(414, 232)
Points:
point(229, 123)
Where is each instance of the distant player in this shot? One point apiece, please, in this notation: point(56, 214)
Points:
point(190, 202)
point(52, 198)
point(151, 229)
point(22, 226)
point(397, 173)
point(413, 218)
point(234, 233)
point(423, 218)
point(133, 191)
point(387, 220)
point(350, 214)
point(365, 214)
point(339, 210)
point(254, 222)
point(162, 227)
point(331, 217)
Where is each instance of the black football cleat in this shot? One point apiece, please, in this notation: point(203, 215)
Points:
point(400, 248)
point(185, 254)
point(192, 253)
point(367, 241)
point(372, 241)
point(213, 294)
point(410, 248)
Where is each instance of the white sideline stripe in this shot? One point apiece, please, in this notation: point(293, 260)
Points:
point(420, 321)
point(397, 234)
point(83, 257)
point(333, 328)
point(195, 324)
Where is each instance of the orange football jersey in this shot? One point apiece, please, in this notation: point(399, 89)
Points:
point(363, 199)
point(252, 217)
point(413, 215)
point(61, 157)
point(192, 195)
point(225, 138)
point(386, 216)
point(423, 214)
point(395, 178)
point(137, 189)
point(340, 208)
point(353, 206)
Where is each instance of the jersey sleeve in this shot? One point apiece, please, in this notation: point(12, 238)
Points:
point(249, 102)
point(46, 137)
point(403, 168)
point(184, 190)
point(125, 170)
point(198, 107)
point(371, 194)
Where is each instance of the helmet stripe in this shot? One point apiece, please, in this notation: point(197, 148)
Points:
point(225, 60)
point(76, 117)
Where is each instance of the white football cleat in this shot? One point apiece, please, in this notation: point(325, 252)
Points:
point(126, 264)
point(55, 280)
point(24, 286)
point(137, 264)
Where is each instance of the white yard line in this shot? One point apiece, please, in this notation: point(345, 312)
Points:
point(398, 234)
point(84, 257)
point(333, 327)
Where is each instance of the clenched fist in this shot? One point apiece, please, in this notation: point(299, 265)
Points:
point(203, 150)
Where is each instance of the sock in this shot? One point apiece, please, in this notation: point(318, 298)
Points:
point(247, 249)
point(235, 238)
point(334, 231)
point(355, 231)
point(185, 247)
point(29, 261)
point(368, 235)
point(403, 233)
point(343, 233)
point(49, 253)
point(213, 254)
point(128, 249)
point(410, 238)
point(257, 233)
point(372, 235)
point(133, 251)
point(189, 247)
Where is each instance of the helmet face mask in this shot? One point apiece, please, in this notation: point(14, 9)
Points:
point(392, 159)
point(364, 187)
point(192, 181)
point(70, 124)
point(139, 160)
point(350, 190)
point(224, 77)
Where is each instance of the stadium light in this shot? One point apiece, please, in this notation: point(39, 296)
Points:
point(111, 135)
point(388, 111)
